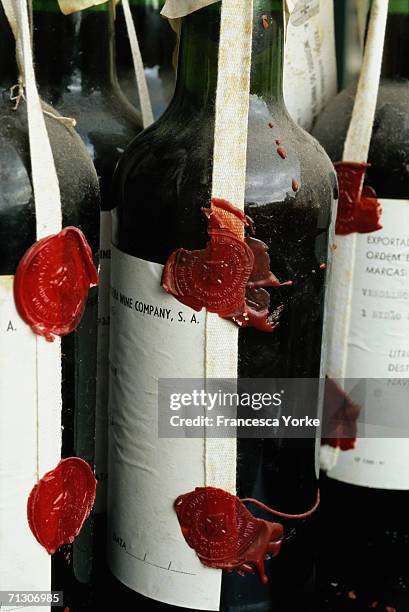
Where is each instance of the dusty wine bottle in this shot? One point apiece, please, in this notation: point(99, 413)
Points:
point(157, 42)
point(162, 182)
point(46, 291)
point(365, 498)
point(76, 71)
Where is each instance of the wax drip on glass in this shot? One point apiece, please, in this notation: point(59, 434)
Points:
point(226, 535)
point(230, 276)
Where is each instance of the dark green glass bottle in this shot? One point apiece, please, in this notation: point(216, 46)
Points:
point(77, 73)
point(162, 182)
point(71, 565)
point(364, 530)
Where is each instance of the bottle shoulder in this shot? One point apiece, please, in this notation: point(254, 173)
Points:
point(164, 176)
point(389, 149)
point(77, 179)
point(100, 113)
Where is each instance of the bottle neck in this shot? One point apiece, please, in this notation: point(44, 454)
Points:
point(198, 55)
point(74, 52)
point(395, 63)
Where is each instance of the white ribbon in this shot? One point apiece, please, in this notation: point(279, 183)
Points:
point(45, 182)
point(72, 6)
point(174, 9)
point(48, 221)
point(143, 92)
point(229, 179)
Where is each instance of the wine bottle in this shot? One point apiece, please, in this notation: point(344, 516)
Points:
point(24, 563)
point(162, 182)
point(76, 68)
point(365, 498)
point(157, 42)
point(77, 73)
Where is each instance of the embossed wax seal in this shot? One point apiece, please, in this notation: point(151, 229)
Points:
point(229, 276)
point(60, 502)
point(358, 208)
point(52, 282)
point(224, 533)
point(215, 277)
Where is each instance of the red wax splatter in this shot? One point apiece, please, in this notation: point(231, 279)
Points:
point(334, 247)
point(282, 152)
point(295, 185)
point(52, 282)
point(323, 266)
point(67, 610)
point(229, 276)
point(358, 208)
point(257, 298)
point(352, 595)
point(224, 533)
point(340, 417)
point(60, 502)
point(270, 125)
point(264, 20)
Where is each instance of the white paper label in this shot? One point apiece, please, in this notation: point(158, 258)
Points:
point(310, 72)
point(24, 563)
point(378, 347)
point(101, 416)
point(152, 336)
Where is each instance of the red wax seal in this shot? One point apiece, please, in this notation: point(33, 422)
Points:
point(224, 533)
point(52, 282)
point(358, 208)
point(228, 277)
point(60, 502)
point(216, 277)
point(340, 417)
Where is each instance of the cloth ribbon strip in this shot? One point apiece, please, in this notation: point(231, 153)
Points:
point(143, 92)
point(48, 221)
point(174, 9)
point(228, 183)
point(359, 210)
point(226, 535)
point(72, 6)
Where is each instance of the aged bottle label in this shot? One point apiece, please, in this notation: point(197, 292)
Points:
point(378, 351)
point(152, 336)
point(24, 564)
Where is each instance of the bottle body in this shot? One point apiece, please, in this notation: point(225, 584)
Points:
point(366, 492)
point(164, 180)
point(70, 567)
point(76, 71)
